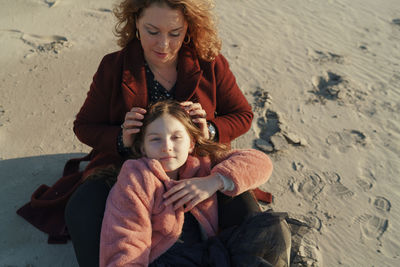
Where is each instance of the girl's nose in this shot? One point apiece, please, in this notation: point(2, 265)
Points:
point(167, 146)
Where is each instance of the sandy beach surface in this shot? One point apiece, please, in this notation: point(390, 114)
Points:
point(323, 78)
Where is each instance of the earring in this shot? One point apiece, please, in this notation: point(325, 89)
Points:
point(137, 35)
point(187, 39)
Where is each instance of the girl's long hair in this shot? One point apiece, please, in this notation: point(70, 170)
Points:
point(203, 147)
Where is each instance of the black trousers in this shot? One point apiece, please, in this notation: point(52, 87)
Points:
point(85, 210)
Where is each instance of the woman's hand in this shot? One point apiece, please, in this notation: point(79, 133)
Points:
point(198, 115)
point(131, 125)
point(190, 192)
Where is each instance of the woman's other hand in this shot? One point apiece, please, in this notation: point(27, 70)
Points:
point(132, 124)
point(198, 115)
point(190, 192)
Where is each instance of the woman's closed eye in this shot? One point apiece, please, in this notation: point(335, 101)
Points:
point(172, 34)
point(152, 32)
point(175, 34)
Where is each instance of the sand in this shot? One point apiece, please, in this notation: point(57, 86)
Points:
point(323, 79)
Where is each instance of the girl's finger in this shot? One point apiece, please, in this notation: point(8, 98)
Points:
point(183, 201)
point(178, 195)
point(191, 204)
point(174, 189)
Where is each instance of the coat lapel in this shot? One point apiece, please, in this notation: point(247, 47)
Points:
point(134, 87)
point(189, 74)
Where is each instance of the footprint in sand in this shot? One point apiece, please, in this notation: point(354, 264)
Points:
point(334, 87)
point(382, 204)
point(330, 86)
point(374, 226)
point(347, 139)
point(261, 98)
point(396, 22)
point(311, 184)
point(51, 3)
point(99, 13)
point(41, 43)
point(308, 183)
point(274, 136)
point(308, 255)
point(2, 111)
point(335, 186)
point(324, 57)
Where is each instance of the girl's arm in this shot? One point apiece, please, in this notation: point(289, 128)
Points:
point(247, 169)
point(127, 230)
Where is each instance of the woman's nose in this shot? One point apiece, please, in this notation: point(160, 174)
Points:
point(163, 41)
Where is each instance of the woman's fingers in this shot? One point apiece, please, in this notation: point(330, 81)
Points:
point(138, 110)
point(132, 124)
point(194, 109)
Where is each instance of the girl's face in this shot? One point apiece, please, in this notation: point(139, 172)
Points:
point(167, 140)
point(162, 31)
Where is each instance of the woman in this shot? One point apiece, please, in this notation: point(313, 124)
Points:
point(170, 49)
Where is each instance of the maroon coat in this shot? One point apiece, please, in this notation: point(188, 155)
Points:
point(118, 85)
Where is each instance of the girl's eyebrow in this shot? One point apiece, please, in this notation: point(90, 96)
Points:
point(151, 25)
point(175, 132)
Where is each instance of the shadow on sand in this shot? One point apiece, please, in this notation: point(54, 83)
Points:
point(21, 244)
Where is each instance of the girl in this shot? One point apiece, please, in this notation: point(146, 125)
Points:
point(167, 197)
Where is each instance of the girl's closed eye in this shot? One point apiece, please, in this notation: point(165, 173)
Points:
point(176, 137)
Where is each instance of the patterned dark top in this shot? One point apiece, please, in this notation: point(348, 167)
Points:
point(155, 90)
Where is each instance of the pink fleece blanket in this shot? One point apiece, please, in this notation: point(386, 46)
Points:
point(137, 228)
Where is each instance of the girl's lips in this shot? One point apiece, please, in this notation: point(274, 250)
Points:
point(167, 158)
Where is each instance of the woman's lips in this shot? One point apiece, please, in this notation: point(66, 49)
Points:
point(161, 55)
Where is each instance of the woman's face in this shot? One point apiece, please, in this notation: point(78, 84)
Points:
point(162, 31)
point(167, 140)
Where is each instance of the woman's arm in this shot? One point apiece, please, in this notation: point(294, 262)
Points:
point(234, 114)
point(92, 125)
point(247, 169)
point(126, 229)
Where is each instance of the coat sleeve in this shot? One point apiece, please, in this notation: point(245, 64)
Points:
point(126, 229)
point(247, 169)
point(92, 125)
point(234, 114)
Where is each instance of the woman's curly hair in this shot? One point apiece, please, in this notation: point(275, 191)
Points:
point(202, 28)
